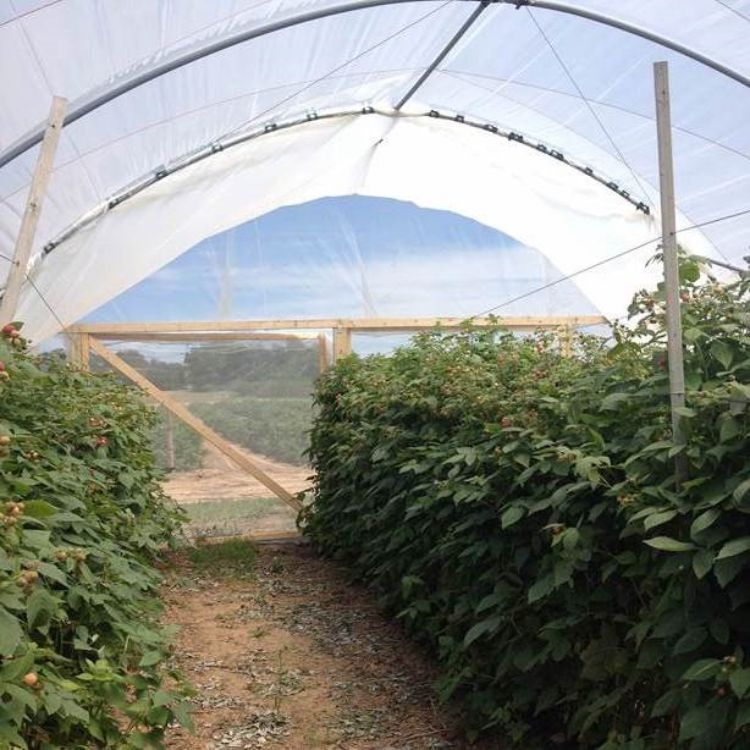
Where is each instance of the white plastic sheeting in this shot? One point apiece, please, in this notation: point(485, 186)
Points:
point(524, 70)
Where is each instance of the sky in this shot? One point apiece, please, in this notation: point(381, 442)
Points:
point(350, 256)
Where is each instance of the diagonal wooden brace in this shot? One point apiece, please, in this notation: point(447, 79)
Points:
point(181, 412)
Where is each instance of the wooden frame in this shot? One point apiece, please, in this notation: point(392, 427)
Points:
point(87, 338)
point(372, 325)
point(181, 412)
point(34, 201)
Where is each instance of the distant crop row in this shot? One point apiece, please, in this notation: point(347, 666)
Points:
point(518, 511)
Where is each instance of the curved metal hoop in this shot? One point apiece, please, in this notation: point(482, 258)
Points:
point(89, 105)
point(218, 146)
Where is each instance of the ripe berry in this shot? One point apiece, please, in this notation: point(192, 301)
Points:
point(4, 439)
point(31, 679)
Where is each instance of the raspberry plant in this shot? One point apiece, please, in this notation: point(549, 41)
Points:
point(82, 522)
point(518, 511)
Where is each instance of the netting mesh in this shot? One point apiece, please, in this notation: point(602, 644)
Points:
point(256, 395)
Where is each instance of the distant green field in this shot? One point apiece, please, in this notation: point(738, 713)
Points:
point(274, 427)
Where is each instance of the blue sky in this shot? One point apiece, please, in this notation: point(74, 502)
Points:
point(351, 256)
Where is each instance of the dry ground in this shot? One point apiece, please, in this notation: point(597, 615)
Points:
point(294, 657)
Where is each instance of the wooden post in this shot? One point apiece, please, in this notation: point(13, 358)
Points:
point(322, 353)
point(25, 239)
point(169, 440)
point(79, 350)
point(671, 266)
point(342, 343)
point(181, 412)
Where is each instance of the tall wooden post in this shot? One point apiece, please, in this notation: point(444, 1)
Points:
point(322, 353)
point(671, 266)
point(25, 239)
point(342, 343)
point(79, 352)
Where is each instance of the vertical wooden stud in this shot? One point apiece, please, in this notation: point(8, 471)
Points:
point(25, 239)
point(342, 343)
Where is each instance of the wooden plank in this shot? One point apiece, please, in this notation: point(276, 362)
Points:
point(342, 343)
point(181, 412)
point(78, 350)
point(34, 201)
point(323, 362)
point(198, 336)
point(113, 330)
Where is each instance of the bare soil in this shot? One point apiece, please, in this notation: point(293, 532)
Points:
point(220, 478)
point(295, 657)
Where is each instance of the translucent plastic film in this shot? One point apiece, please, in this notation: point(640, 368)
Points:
point(255, 396)
point(163, 82)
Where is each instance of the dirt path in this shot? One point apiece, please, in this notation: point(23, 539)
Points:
point(295, 658)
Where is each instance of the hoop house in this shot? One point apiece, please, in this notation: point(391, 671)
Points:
point(535, 119)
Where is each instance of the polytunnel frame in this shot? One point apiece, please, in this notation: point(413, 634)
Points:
point(89, 338)
point(216, 147)
point(207, 50)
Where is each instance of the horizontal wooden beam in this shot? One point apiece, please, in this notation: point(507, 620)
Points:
point(117, 330)
point(181, 412)
point(197, 336)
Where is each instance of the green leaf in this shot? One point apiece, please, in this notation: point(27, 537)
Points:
point(150, 658)
point(667, 544)
point(484, 626)
point(743, 715)
point(541, 588)
point(692, 640)
point(704, 521)
point(735, 547)
point(52, 572)
point(694, 723)
point(740, 682)
point(40, 607)
point(703, 561)
point(10, 633)
point(39, 509)
point(703, 669)
point(657, 519)
point(511, 515)
point(723, 353)
point(729, 428)
point(741, 490)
